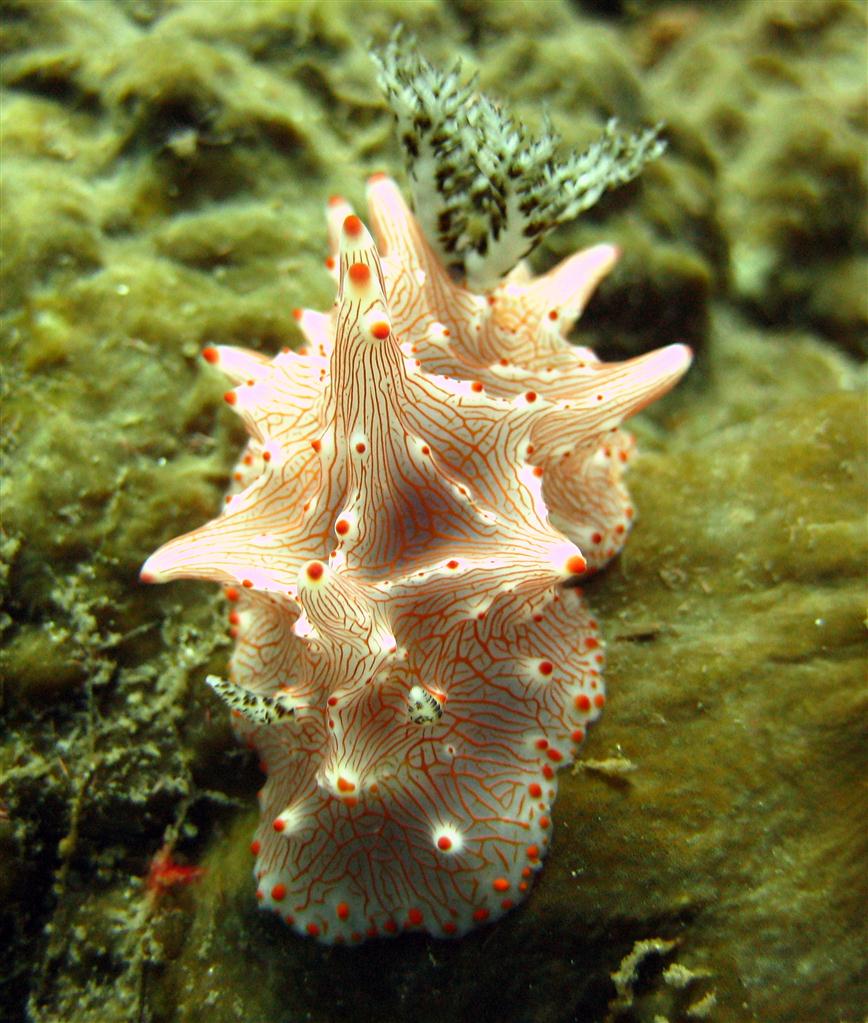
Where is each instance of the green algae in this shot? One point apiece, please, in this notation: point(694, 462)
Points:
point(165, 167)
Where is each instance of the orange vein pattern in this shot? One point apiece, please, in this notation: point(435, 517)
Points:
point(425, 483)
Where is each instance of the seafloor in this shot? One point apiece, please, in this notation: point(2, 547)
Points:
point(165, 166)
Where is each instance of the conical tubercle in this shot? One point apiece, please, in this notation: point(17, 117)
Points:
point(367, 366)
point(567, 288)
point(339, 610)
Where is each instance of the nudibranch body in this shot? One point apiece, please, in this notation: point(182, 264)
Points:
point(425, 484)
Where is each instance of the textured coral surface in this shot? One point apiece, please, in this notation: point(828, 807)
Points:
point(165, 167)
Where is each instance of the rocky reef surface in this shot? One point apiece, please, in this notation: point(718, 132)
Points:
point(165, 167)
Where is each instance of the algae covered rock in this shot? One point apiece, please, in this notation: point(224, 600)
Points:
point(777, 95)
point(165, 167)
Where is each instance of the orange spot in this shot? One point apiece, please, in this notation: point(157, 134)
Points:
point(426, 450)
point(444, 843)
point(298, 313)
point(530, 396)
point(266, 456)
point(555, 755)
point(315, 444)
point(619, 529)
point(210, 355)
point(476, 386)
point(449, 927)
point(335, 200)
point(247, 584)
point(350, 802)
point(535, 790)
point(538, 470)
point(342, 527)
point(522, 886)
point(255, 847)
point(583, 702)
point(278, 824)
point(147, 577)
point(452, 564)
point(345, 786)
point(315, 570)
point(542, 744)
point(332, 700)
point(342, 910)
point(500, 884)
point(377, 176)
point(312, 930)
point(578, 735)
point(576, 564)
point(414, 917)
point(596, 537)
point(278, 892)
point(330, 263)
point(591, 642)
point(546, 667)
point(507, 904)
point(360, 273)
point(360, 447)
point(390, 926)
point(544, 822)
point(525, 872)
point(481, 914)
point(533, 852)
point(553, 314)
point(380, 330)
point(599, 701)
point(547, 771)
point(229, 398)
point(352, 225)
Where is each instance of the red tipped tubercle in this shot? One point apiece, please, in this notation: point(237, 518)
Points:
point(352, 225)
point(210, 354)
point(576, 564)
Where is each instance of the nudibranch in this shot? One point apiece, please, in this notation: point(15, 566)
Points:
point(427, 482)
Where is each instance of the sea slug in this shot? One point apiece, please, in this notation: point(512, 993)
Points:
point(426, 482)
